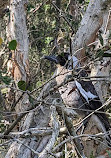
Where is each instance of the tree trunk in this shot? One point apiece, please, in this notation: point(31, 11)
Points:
point(40, 117)
point(95, 19)
point(17, 30)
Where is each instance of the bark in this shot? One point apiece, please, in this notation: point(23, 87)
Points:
point(95, 19)
point(89, 26)
point(35, 147)
point(40, 118)
point(17, 30)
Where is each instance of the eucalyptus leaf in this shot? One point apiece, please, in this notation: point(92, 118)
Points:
point(6, 79)
point(101, 39)
point(109, 154)
point(22, 85)
point(107, 55)
point(12, 45)
point(99, 53)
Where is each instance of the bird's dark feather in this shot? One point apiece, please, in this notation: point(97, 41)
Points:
point(95, 103)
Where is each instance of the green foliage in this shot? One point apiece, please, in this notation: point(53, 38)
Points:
point(101, 39)
point(2, 127)
point(107, 55)
point(12, 45)
point(49, 33)
point(62, 54)
point(30, 7)
point(109, 153)
point(46, 26)
point(87, 1)
point(29, 88)
point(47, 7)
point(4, 90)
point(92, 156)
point(4, 78)
point(99, 53)
point(31, 99)
point(80, 1)
point(22, 85)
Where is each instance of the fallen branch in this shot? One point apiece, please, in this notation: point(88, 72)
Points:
point(55, 133)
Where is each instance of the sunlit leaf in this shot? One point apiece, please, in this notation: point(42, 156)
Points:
point(1, 41)
point(4, 90)
point(48, 39)
point(22, 85)
point(12, 45)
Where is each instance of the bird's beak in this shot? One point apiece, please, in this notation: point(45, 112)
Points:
point(51, 58)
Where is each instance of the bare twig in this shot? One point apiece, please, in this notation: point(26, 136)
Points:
point(105, 104)
point(62, 15)
point(35, 152)
point(18, 120)
point(90, 136)
point(43, 97)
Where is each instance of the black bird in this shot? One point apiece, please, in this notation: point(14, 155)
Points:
point(79, 94)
